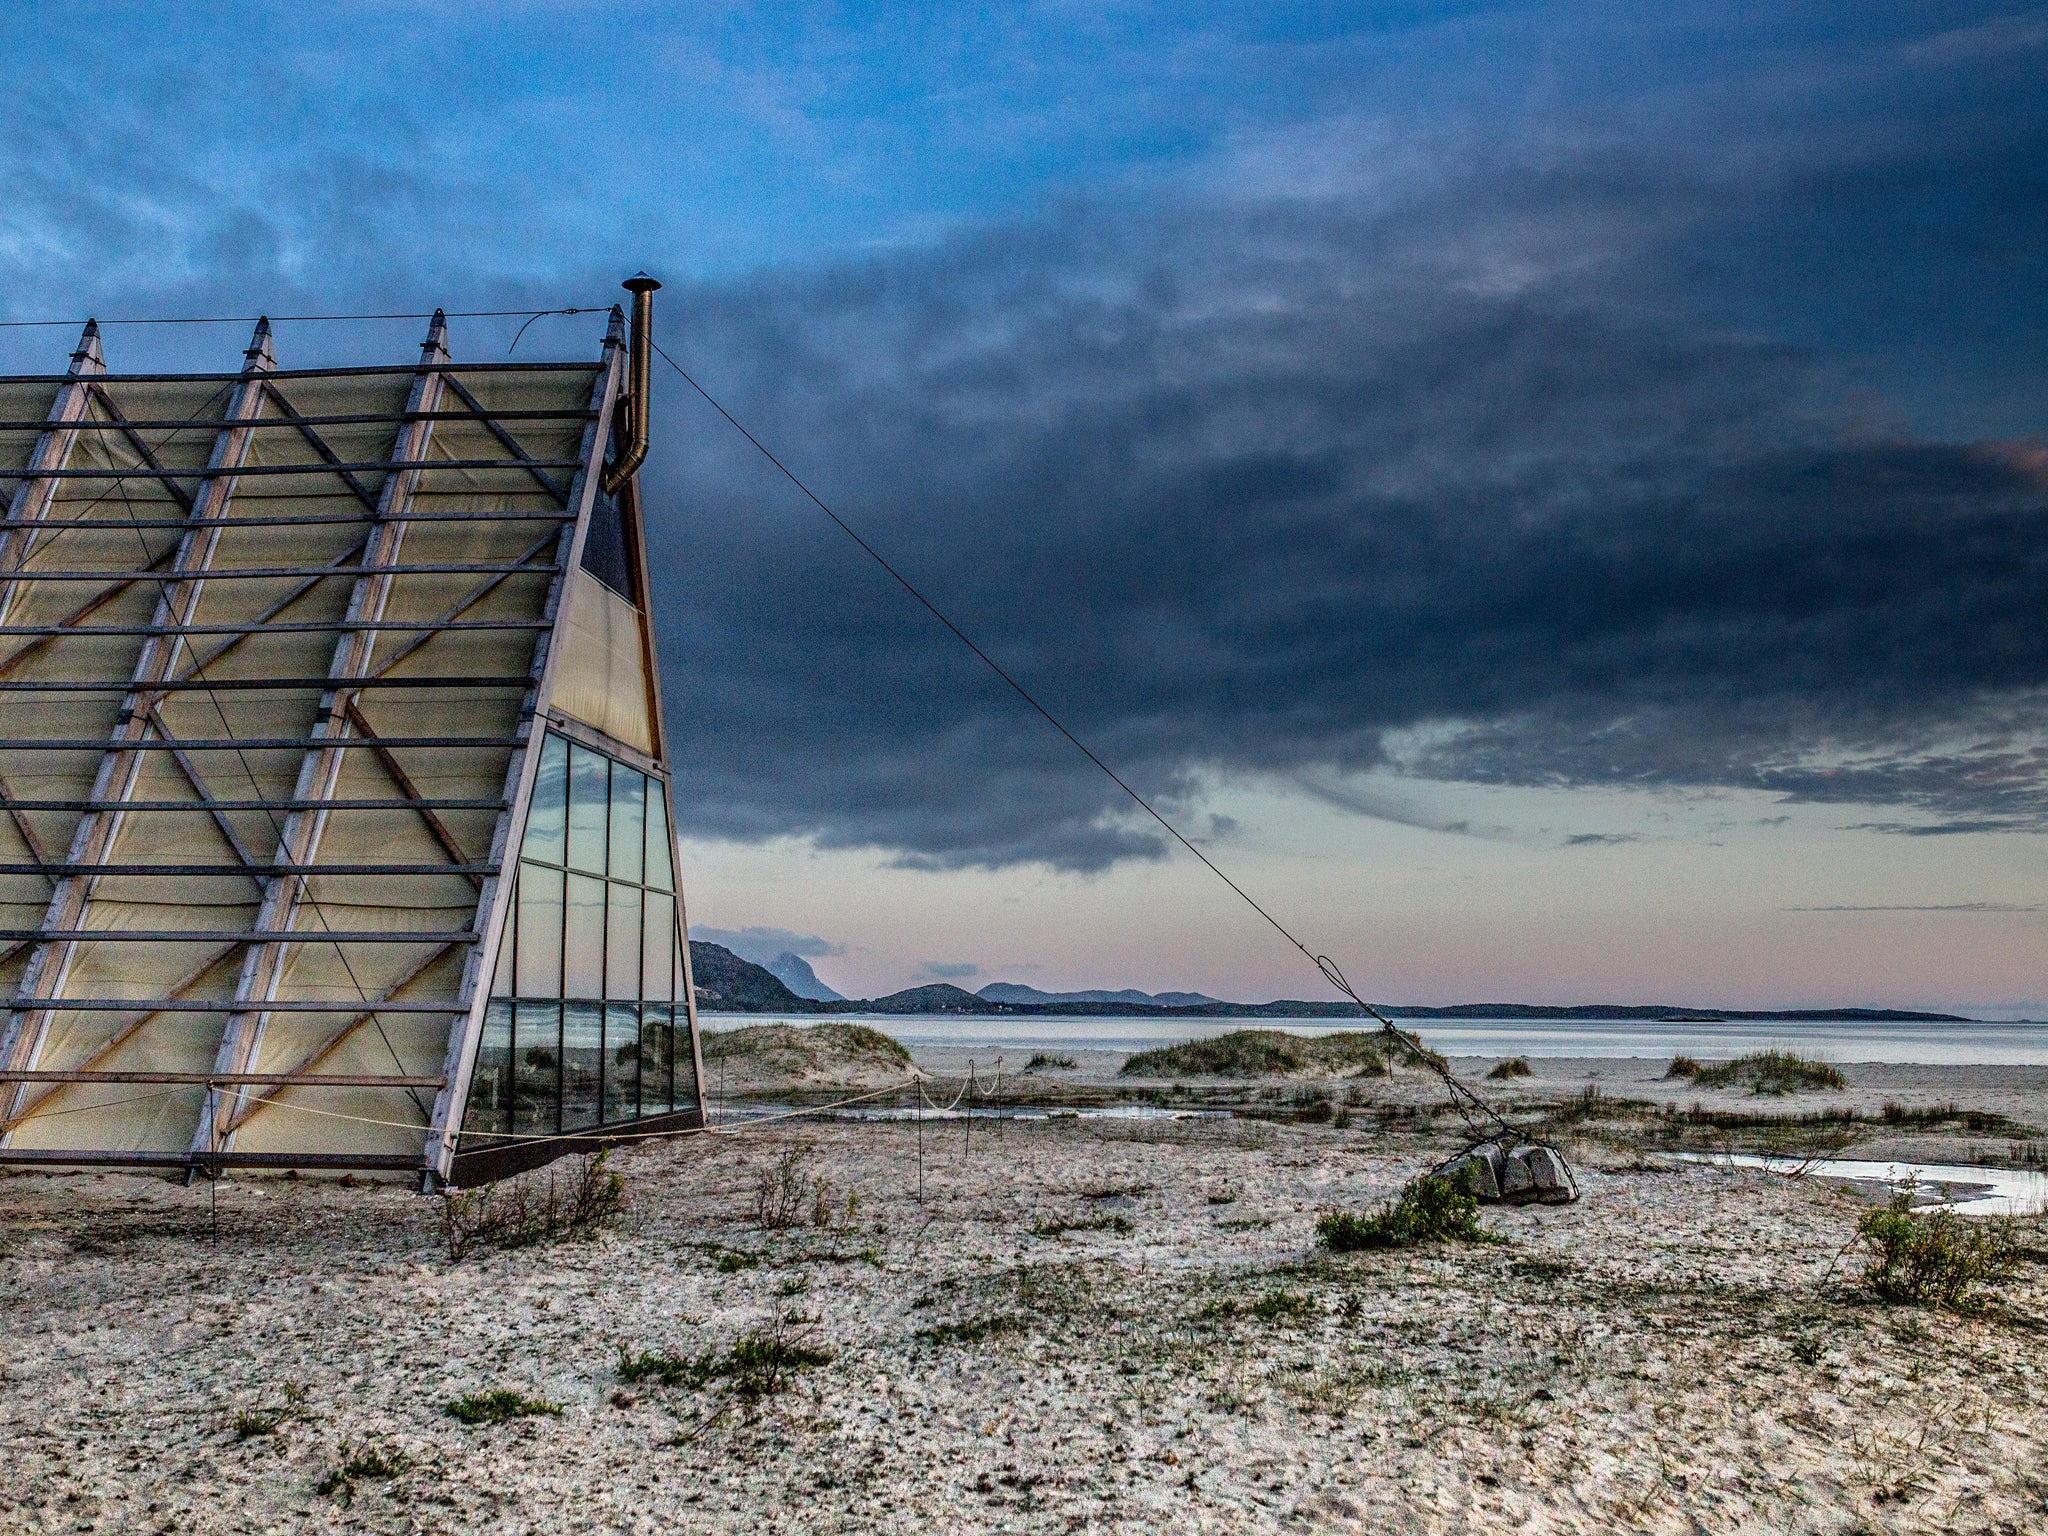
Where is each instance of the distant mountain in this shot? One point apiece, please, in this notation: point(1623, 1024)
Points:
point(939, 997)
point(728, 984)
point(1017, 992)
point(795, 973)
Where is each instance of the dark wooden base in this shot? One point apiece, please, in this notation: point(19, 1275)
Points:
point(484, 1161)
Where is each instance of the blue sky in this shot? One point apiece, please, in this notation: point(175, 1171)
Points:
point(1551, 492)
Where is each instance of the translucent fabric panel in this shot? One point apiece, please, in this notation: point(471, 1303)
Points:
point(539, 935)
point(657, 1059)
point(657, 961)
point(621, 1062)
point(582, 1063)
point(589, 801)
point(547, 818)
point(660, 866)
point(629, 823)
point(537, 1068)
point(583, 943)
point(490, 1084)
point(622, 943)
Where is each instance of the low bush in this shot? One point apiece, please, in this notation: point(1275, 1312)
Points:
point(791, 1195)
point(1933, 1258)
point(1428, 1210)
point(1772, 1072)
point(1044, 1063)
point(500, 1406)
point(1514, 1066)
point(531, 1210)
point(1682, 1066)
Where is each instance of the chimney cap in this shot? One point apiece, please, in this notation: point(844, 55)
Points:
point(640, 282)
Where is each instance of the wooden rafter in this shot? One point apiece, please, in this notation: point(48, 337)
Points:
point(320, 768)
point(120, 767)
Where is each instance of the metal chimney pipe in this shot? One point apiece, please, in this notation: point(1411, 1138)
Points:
point(632, 452)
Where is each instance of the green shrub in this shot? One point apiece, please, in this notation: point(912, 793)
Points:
point(1682, 1066)
point(1772, 1072)
point(1042, 1062)
point(1429, 1210)
point(499, 1406)
point(1933, 1258)
point(1514, 1066)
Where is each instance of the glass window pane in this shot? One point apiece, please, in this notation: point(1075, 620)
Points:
point(686, 1064)
point(622, 942)
point(657, 967)
point(657, 1045)
point(490, 1084)
point(582, 1063)
point(589, 794)
point(583, 947)
point(537, 1068)
point(660, 867)
point(546, 815)
point(540, 931)
point(621, 1062)
point(629, 821)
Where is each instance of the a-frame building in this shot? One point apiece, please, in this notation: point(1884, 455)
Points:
point(335, 825)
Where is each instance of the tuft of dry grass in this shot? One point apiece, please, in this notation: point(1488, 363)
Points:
point(532, 1210)
point(1267, 1053)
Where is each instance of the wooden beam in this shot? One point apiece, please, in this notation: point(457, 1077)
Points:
point(319, 446)
point(142, 449)
point(320, 768)
point(494, 903)
point(120, 768)
point(340, 1035)
point(32, 497)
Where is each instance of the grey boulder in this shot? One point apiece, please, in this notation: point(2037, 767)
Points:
point(1478, 1170)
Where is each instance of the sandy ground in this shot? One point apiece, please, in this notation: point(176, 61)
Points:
point(1082, 1326)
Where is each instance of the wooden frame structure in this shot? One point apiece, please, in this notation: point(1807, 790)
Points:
point(278, 654)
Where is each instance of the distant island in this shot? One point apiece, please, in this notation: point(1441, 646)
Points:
point(728, 984)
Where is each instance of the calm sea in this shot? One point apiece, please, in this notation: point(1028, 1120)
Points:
point(1989, 1044)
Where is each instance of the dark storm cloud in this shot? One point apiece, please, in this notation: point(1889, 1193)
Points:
point(1248, 485)
point(1596, 416)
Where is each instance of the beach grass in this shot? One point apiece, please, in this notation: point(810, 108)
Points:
point(1265, 1053)
point(1762, 1072)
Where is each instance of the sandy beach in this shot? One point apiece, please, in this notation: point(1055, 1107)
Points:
point(1080, 1326)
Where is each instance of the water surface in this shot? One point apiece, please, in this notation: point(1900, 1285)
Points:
point(1998, 1043)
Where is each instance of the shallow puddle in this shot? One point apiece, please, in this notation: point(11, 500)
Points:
point(1961, 1187)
